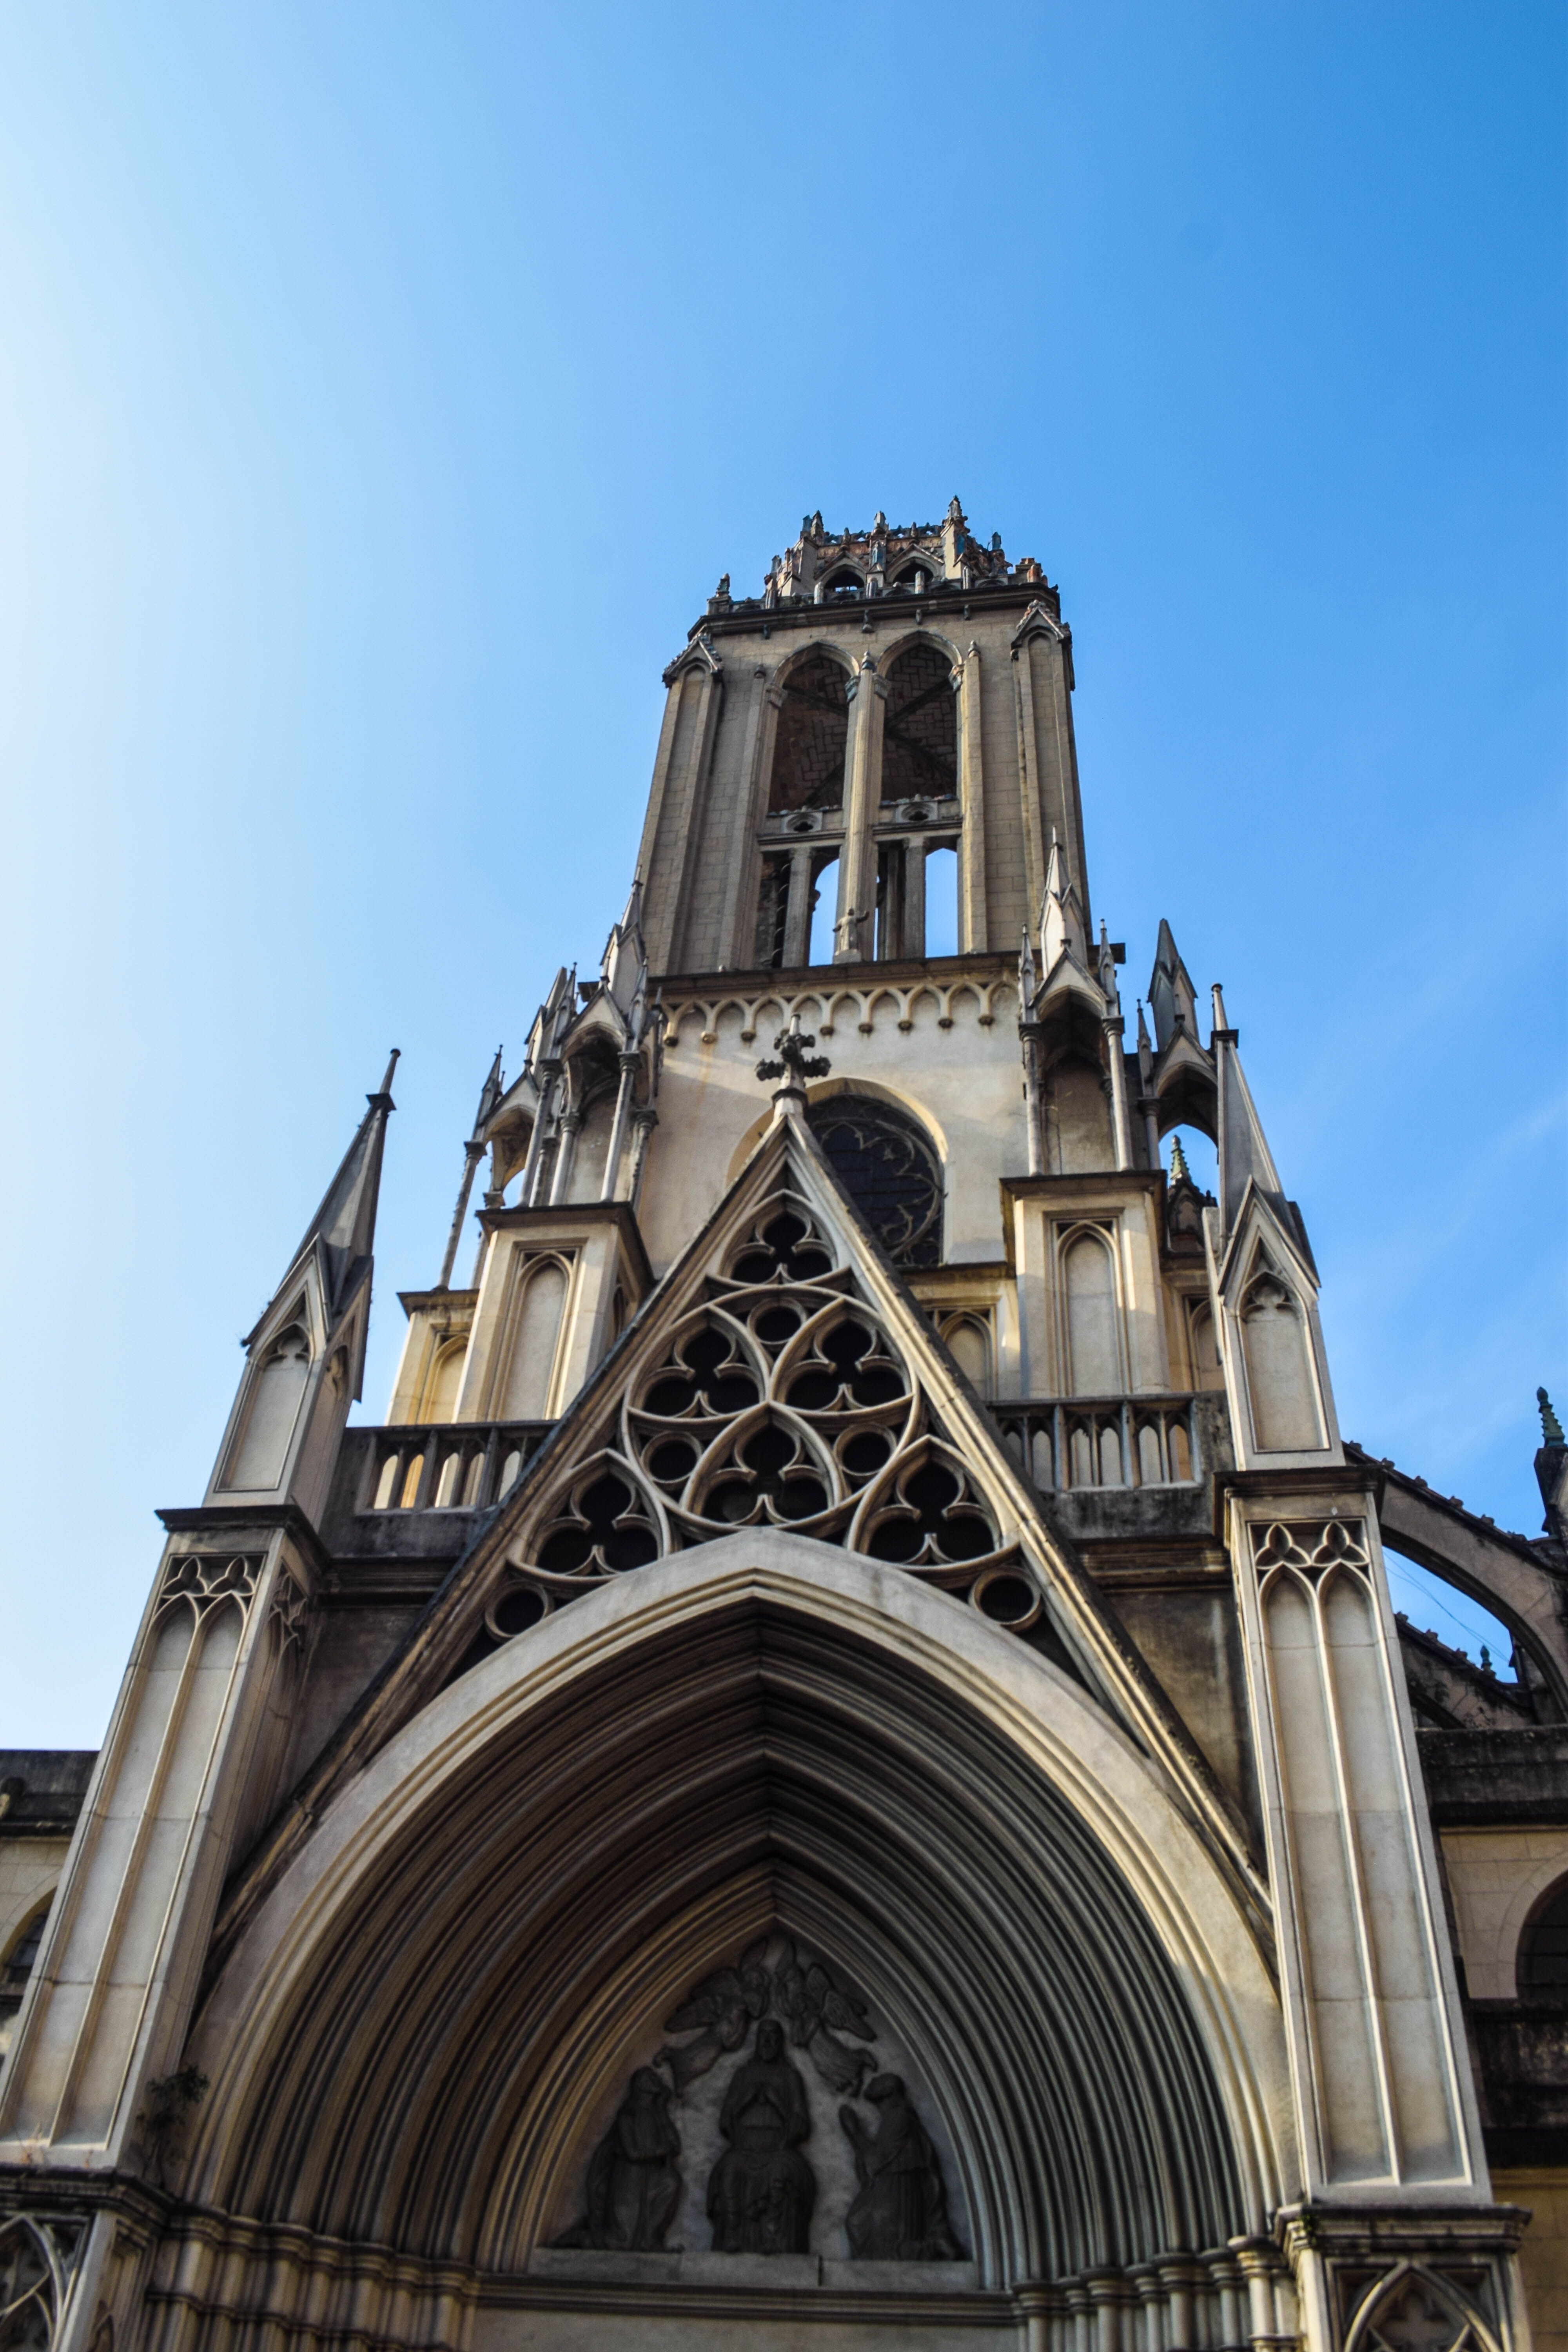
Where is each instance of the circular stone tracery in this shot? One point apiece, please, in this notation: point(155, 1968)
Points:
point(780, 1403)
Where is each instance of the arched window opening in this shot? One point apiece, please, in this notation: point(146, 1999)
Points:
point(1276, 1344)
point(1198, 1157)
point(537, 1327)
point(813, 731)
point(1093, 1336)
point(272, 1412)
point(14, 1975)
point(919, 728)
point(446, 1376)
point(912, 580)
point(968, 1342)
point(1543, 1947)
point(824, 912)
point(941, 900)
point(841, 588)
point(887, 1164)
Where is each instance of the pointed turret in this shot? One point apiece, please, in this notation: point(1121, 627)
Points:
point(305, 1357)
point(1172, 998)
point(624, 969)
point(1061, 916)
point(344, 1224)
point(1244, 1154)
point(1107, 970)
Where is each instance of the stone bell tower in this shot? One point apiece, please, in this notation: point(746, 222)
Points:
point(840, 1766)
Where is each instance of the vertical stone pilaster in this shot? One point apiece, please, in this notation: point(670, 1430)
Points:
point(675, 802)
point(857, 862)
point(735, 945)
point(111, 1997)
point(974, 928)
point(1384, 2098)
point(797, 912)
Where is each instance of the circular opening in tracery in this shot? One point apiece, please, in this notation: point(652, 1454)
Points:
point(1008, 1599)
point(673, 1462)
point(517, 1611)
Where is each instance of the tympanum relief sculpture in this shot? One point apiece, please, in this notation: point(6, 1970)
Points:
point(743, 2137)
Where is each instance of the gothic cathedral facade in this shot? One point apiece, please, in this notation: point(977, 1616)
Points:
point(839, 1770)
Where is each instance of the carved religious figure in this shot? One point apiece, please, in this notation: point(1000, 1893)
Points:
point(761, 2191)
point(900, 2213)
point(634, 2186)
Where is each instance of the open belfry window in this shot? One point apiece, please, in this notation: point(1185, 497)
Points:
point(919, 734)
point(813, 731)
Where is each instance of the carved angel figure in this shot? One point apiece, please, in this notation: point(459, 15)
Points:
point(812, 2002)
point(725, 2005)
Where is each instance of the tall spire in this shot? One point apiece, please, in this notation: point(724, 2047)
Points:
point(1172, 998)
point(1244, 1154)
point(1062, 914)
point(343, 1227)
point(473, 1150)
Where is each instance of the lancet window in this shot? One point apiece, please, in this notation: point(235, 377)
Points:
point(1277, 1351)
point(920, 732)
point(813, 734)
point(274, 1407)
point(806, 799)
point(918, 786)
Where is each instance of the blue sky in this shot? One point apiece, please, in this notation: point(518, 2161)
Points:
point(383, 388)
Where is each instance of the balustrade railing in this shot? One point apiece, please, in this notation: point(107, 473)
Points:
point(1066, 1443)
point(442, 1465)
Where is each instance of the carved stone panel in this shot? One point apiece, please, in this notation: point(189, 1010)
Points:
point(768, 2119)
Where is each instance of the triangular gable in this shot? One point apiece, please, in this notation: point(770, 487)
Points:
point(1261, 1220)
point(782, 1374)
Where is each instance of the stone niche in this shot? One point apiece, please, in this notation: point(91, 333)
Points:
point(772, 2130)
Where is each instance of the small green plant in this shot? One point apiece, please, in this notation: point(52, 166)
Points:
point(169, 2100)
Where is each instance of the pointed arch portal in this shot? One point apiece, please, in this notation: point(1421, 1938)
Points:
point(412, 2041)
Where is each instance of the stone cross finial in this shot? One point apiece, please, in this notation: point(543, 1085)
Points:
point(794, 1063)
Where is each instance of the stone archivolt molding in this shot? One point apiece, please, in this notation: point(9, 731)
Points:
point(415, 2036)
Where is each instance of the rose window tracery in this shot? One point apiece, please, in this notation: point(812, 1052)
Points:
point(887, 1165)
point(779, 1401)
point(931, 1518)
